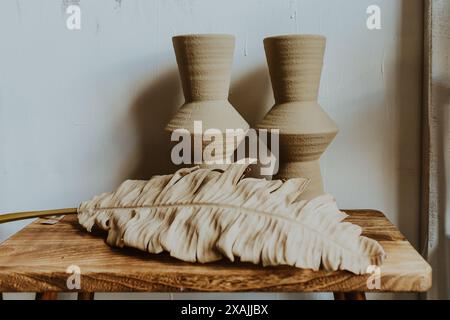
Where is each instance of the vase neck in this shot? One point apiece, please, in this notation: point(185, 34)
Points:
point(295, 66)
point(204, 63)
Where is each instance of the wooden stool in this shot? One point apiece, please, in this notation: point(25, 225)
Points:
point(37, 257)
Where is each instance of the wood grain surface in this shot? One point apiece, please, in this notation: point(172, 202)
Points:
point(37, 257)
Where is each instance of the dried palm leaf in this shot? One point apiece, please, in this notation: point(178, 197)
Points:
point(201, 215)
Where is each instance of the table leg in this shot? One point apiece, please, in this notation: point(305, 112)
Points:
point(47, 295)
point(86, 295)
point(349, 296)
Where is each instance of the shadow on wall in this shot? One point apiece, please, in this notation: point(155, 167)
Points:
point(251, 95)
point(407, 123)
point(407, 93)
point(151, 111)
point(157, 103)
point(439, 257)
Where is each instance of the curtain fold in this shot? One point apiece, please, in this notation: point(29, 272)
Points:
point(435, 220)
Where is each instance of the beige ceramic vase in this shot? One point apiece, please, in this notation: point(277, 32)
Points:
point(204, 63)
point(295, 66)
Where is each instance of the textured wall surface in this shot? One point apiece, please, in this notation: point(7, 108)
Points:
point(80, 111)
point(435, 234)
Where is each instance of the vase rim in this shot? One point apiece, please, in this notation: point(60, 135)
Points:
point(296, 36)
point(204, 36)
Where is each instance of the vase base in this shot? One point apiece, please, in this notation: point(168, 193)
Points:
point(309, 170)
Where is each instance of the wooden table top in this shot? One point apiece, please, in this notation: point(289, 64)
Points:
point(36, 259)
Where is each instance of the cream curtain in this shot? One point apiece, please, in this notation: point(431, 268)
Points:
point(435, 223)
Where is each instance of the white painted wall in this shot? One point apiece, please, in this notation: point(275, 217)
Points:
point(80, 111)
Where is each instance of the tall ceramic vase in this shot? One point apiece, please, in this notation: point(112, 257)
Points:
point(295, 66)
point(204, 63)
